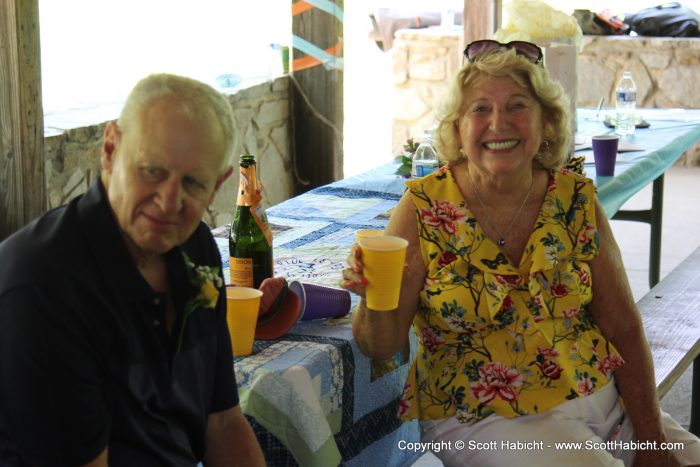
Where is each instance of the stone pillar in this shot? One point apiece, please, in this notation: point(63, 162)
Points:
point(424, 62)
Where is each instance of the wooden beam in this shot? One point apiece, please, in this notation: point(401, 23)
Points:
point(22, 192)
point(481, 19)
point(317, 74)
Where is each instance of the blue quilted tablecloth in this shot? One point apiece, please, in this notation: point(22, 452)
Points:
point(311, 396)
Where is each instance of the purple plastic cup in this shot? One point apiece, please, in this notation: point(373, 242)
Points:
point(320, 301)
point(605, 154)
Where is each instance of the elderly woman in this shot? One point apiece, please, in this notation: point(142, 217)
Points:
point(514, 285)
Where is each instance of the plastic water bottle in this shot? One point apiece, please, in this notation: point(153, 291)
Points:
point(447, 18)
point(425, 158)
point(276, 66)
point(625, 105)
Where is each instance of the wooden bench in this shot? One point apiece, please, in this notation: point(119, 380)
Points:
point(671, 315)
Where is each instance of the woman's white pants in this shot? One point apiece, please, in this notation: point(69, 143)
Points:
point(587, 431)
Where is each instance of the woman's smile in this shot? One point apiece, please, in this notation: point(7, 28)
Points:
point(501, 145)
point(500, 119)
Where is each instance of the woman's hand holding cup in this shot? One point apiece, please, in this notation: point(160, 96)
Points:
point(376, 270)
point(353, 279)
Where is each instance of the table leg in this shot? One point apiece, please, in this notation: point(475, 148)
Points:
point(694, 427)
point(657, 209)
point(654, 217)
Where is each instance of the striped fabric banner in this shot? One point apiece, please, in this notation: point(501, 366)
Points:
point(331, 58)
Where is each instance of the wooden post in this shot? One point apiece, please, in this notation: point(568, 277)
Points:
point(481, 19)
point(22, 192)
point(317, 92)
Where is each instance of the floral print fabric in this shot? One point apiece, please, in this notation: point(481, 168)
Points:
point(495, 338)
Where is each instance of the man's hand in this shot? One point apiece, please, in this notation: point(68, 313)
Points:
point(231, 441)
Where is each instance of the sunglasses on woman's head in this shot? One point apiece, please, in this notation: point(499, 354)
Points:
point(526, 49)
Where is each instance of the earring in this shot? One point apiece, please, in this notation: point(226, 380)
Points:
point(543, 152)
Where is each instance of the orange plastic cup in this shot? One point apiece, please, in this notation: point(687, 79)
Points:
point(383, 258)
point(242, 307)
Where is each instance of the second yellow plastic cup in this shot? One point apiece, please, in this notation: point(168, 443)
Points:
point(364, 233)
point(242, 307)
point(383, 258)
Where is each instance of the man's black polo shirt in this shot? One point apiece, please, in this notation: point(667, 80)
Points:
point(85, 357)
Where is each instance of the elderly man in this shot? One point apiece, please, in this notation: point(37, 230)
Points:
point(114, 347)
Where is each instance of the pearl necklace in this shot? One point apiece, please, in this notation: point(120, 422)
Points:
point(502, 234)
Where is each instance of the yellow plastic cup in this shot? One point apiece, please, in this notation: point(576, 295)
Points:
point(383, 258)
point(364, 233)
point(242, 307)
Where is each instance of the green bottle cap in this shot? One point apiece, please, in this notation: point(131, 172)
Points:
point(247, 160)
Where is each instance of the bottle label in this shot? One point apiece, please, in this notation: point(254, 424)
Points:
point(627, 96)
point(241, 271)
point(250, 194)
point(258, 213)
point(425, 167)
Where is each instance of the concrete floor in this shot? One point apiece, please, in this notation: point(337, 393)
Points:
point(680, 237)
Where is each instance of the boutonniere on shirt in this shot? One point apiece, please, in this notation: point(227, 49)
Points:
point(206, 281)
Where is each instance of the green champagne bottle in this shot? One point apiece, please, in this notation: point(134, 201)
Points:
point(250, 242)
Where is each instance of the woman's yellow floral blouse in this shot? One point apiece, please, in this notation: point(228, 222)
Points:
point(495, 338)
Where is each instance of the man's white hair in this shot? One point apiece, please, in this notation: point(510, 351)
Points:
point(195, 99)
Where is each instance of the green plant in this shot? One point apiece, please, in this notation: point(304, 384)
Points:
point(405, 160)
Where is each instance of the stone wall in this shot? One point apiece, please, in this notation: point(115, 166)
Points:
point(262, 127)
point(72, 162)
point(666, 71)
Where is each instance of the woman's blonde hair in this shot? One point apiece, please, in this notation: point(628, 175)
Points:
point(556, 132)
